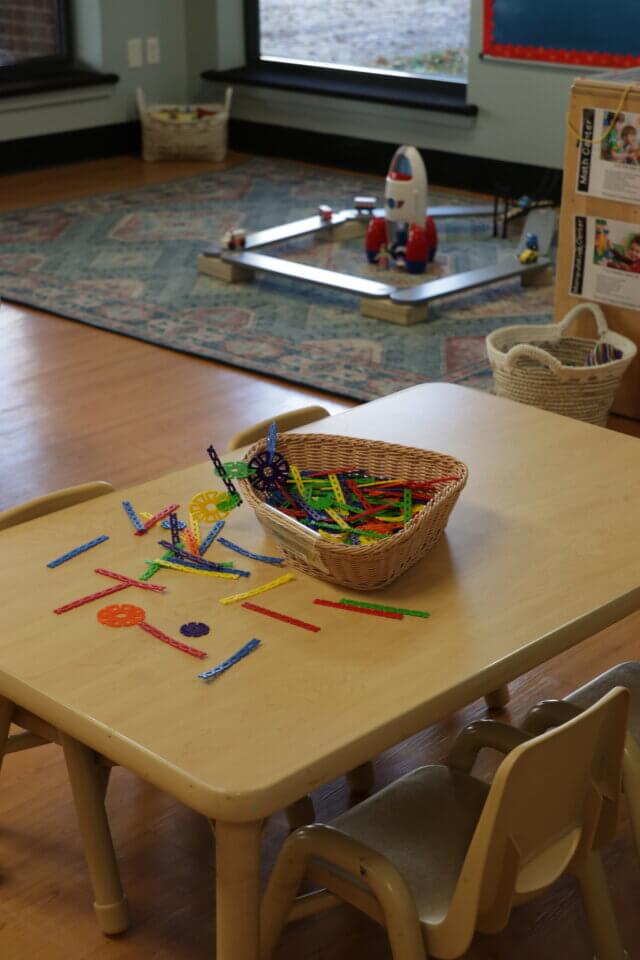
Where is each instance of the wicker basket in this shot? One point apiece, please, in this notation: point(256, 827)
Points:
point(203, 139)
point(541, 366)
point(371, 566)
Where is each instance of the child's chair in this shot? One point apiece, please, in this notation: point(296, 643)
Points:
point(88, 772)
point(439, 854)
point(550, 713)
point(284, 421)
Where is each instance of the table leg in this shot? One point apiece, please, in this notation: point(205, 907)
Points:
point(88, 785)
point(238, 890)
point(7, 709)
point(498, 699)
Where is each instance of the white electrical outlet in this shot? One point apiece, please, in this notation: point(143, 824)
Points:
point(134, 52)
point(153, 50)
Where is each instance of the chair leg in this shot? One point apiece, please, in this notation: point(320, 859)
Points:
point(7, 709)
point(602, 920)
point(361, 779)
point(88, 785)
point(279, 896)
point(498, 699)
point(300, 813)
point(632, 786)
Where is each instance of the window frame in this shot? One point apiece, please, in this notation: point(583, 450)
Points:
point(34, 67)
point(392, 83)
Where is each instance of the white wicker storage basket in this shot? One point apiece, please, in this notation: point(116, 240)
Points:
point(202, 139)
point(544, 367)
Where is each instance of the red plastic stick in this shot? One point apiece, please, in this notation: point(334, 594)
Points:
point(159, 635)
point(373, 613)
point(157, 517)
point(94, 596)
point(130, 581)
point(281, 616)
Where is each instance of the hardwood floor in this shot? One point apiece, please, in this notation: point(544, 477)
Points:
point(78, 404)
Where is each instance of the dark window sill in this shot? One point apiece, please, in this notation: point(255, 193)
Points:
point(442, 96)
point(62, 78)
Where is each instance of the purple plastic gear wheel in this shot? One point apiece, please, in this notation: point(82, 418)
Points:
point(267, 474)
point(194, 629)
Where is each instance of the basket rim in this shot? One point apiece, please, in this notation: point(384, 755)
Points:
point(534, 336)
point(449, 491)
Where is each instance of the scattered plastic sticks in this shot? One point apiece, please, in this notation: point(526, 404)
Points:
point(285, 618)
point(127, 615)
point(77, 550)
point(184, 568)
point(248, 553)
point(211, 536)
point(153, 567)
point(94, 596)
point(373, 613)
point(156, 518)
point(133, 516)
point(130, 581)
point(192, 558)
point(231, 661)
point(384, 606)
point(237, 597)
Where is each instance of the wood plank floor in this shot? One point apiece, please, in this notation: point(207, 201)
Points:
point(78, 404)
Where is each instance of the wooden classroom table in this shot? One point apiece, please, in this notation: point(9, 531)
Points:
point(541, 552)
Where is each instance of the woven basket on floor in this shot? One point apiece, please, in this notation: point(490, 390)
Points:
point(203, 139)
point(541, 366)
point(371, 566)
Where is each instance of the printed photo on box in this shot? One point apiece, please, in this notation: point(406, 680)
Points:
point(606, 261)
point(609, 165)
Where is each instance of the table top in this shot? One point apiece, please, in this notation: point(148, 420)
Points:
point(540, 552)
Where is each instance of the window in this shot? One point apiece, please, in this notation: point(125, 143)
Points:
point(34, 36)
point(414, 39)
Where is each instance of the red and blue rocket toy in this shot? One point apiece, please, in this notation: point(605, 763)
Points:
point(404, 234)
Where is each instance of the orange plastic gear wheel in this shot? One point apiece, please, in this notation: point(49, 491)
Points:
point(121, 615)
point(206, 508)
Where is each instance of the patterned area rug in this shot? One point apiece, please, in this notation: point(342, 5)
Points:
point(126, 262)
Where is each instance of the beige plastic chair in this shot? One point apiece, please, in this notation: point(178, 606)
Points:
point(439, 854)
point(284, 421)
point(88, 772)
point(550, 713)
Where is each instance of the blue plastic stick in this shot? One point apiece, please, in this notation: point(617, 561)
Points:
point(238, 655)
point(248, 553)
point(175, 529)
point(133, 516)
point(193, 560)
point(74, 553)
point(210, 537)
point(166, 524)
point(272, 439)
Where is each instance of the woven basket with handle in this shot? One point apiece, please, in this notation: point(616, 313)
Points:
point(543, 366)
point(203, 139)
point(370, 566)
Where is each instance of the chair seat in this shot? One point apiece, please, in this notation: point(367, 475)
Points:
point(423, 823)
point(624, 675)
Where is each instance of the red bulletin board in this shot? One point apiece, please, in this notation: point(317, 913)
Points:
point(590, 33)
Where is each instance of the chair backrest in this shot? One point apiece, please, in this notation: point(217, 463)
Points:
point(553, 800)
point(52, 502)
point(284, 421)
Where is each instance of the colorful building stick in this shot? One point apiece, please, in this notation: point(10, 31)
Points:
point(154, 566)
point(94, 596)
point(211, 536)
point(183, 568)
point(77, 550)
point(175, 528)
point(373, 613)
point(194, 559)
point(129, 581)
point(133, 516)
point(384, 606)
point(285, 618)
point(219, 469)
point(128, 615)
point(272, 440)
point(263, 589)
point(156, 518)
point(248, 553)
point(231, 661)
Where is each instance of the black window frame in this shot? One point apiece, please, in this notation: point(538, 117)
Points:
point(381, 85)
point(34, 67)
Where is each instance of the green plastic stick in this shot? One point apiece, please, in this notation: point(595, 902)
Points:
point(383, 606)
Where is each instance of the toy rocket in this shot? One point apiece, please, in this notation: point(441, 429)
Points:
point(410, 238)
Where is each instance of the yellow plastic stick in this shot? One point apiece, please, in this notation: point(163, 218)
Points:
point(297, 479)
point(337, 489)
point(252, 593)
point(335, 516)
point(194, 527)
point(200, 573)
